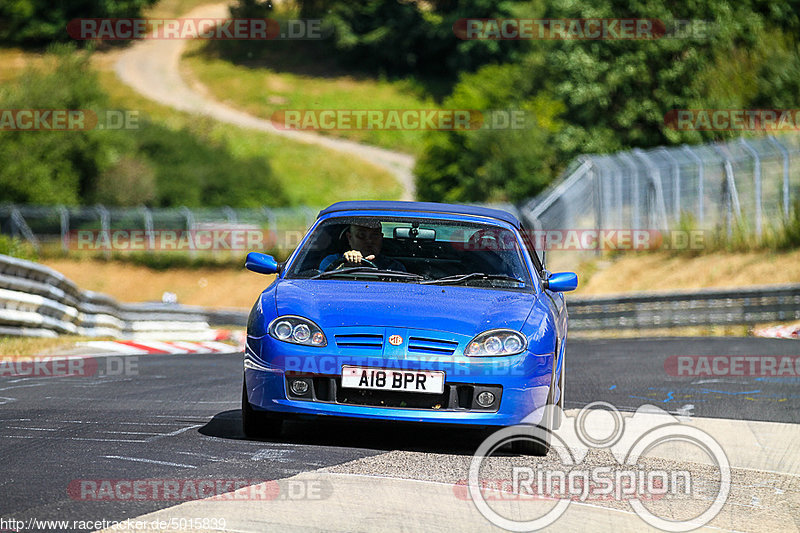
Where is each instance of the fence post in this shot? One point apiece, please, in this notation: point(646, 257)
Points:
point(656, 178)
point(189, 216)
point(676, 184)
point(64, 221)
point(148, 228)
point(757, 180)
point(732, 196)
point(618, 170)
point(597, 204)
point(105, 227)
point(700, 178)
point(272, 224)
point(18, 225)
point(785, 153)
point(311, 216)
point(230, 214)
point(635, 223)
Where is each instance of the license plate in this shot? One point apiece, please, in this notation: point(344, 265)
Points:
point(357, 377)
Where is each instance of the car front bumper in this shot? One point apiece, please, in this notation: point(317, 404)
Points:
point(521, 384)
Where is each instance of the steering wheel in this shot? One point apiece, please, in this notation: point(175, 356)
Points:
point(341, 261)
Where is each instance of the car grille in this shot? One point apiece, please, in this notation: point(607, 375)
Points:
point(431, 346)
point(359, 340)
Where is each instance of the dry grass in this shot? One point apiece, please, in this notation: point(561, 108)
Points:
point(133, 283)
point(630, 273)
point(11, 347)
point(635, 272)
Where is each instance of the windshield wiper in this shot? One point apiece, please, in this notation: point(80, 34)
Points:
point(461, 278)
point(398, 274)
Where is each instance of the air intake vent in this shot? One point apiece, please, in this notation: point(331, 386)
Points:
point(431, 346)
point(359, 340)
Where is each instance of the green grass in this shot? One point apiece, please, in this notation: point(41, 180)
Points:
point(273, 83)
point(309, 175)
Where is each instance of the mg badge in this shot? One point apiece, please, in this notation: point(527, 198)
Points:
point(395, 340)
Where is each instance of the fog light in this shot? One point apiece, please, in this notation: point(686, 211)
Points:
point(299, 387)
point(485, 399)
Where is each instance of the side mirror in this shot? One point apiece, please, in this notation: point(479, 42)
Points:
point(561, 282)
point(261, 263)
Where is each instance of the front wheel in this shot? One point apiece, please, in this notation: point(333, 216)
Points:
point(536, 442)
point(255, 424)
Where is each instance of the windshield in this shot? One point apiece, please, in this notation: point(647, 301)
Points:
point(413, 250)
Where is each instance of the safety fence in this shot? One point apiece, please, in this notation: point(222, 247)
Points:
point(38, 301)
point(218, 231)
point(747, 186)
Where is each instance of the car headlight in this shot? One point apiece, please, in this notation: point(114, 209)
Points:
point(496, 342)
point(297, 330)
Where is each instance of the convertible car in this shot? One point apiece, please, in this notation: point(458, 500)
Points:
point(444, 315)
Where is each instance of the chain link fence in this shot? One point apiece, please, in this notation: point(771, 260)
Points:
point(746, 186)
point(100, 229)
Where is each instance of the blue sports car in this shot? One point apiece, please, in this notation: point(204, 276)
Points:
point(407, 311)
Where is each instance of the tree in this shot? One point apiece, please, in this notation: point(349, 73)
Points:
point(39, 22)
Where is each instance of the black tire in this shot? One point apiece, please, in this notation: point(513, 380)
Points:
point(559, 413)
point(258, 425)
point(538, 443)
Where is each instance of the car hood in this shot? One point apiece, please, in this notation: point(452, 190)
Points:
point(465, 310)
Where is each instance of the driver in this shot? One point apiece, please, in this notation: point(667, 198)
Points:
point(365, 240)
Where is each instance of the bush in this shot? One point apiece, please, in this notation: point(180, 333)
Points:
point(153, 165)
point(16, 248)
point(39, 22)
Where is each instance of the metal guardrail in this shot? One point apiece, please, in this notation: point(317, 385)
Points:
point(36, 301)
point(747, 305)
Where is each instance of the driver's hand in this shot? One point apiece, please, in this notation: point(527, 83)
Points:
point(355, 257)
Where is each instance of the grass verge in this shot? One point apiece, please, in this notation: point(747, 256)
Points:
point(664, 271)
point(11, 347)
point(127, 282)
point(270, 84)
point(308, 175)
point(305, 174)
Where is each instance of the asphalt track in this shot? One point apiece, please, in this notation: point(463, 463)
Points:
point(177, 417)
